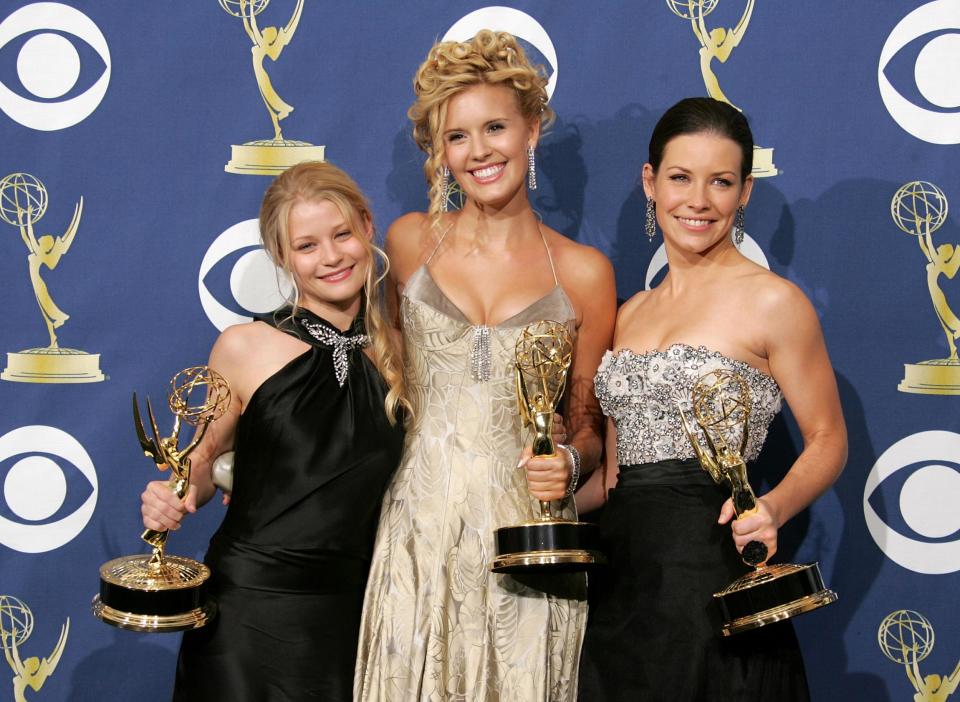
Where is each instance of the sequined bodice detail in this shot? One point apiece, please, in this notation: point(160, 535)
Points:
point(642, 393)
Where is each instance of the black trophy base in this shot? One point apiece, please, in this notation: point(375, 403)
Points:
point(138, 596)
point(549, 546)
point(771, 594)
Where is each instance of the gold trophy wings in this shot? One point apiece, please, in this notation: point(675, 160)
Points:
point(160, 592)
point(551, 544)
point(721, 403)
point(544, 352)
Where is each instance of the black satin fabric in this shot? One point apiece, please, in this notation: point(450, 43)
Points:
point(654, 630)
point(290, 560)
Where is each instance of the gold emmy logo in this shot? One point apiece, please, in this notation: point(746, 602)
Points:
point(906, 637)
point(268, 156)
point(718, 44)
point(16, 625)
point(23, 202)
point(919, 208)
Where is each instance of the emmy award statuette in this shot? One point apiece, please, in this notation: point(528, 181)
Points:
point(159, 592)
point(549, 543)
point(268, 156)
point(23, 202)
point(919, 209)
point(718, 44)
point(906, 637)
point(721, 404)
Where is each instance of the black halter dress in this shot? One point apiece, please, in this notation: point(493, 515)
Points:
point(290, 561)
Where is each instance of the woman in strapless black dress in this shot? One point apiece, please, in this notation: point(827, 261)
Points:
point(316, 431)
point(653, 631)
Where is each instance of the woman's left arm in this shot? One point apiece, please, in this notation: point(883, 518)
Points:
point(589, 282)
point(799, 362)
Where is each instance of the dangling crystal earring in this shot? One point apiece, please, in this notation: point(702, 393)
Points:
point(531, 169)
point(650, 225)
point(738, 227)
point(444, 189)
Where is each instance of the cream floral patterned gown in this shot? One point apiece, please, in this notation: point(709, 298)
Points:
point(438, 625)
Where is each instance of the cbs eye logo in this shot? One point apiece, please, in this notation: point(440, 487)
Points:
point(49, 488)
point(48, 65)
point(910, 502)
point(519, 24)
point(933, 30)
point(237, 279)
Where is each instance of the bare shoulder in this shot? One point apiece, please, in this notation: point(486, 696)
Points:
point(776, 300)
point(628, 310)
point(578, 264)
point(408, 241)
point(239, 342)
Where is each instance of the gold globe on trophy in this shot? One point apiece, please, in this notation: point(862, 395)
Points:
point(268, 156)
point(159, 592)
point(919, 209)
point(718, 44)
point(906, 637)
point(544, 352)
point(721, 404)
point(23, 202)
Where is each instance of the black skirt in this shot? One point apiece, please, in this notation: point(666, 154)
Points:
point(654, 628)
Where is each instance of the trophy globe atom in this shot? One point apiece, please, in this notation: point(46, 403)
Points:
point(919, 203)
point(234, 7)
point(202, 378)
point(16, 621)
point(721, 401)
point(905, 636)
point(19, 193)
point(691, 9)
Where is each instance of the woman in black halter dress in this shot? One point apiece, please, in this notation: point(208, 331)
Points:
point(290, 560)
point(316, 440)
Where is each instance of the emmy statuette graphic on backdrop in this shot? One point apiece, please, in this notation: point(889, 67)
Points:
point(906, 637)
point(720, 403)
point(16, 625)
point(718, 44)
point(23, 202)
point(268, 156)
point(159, 592)
point(549, 543)
point(920, 208)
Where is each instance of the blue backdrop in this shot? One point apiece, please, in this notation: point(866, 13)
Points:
point(134, 108)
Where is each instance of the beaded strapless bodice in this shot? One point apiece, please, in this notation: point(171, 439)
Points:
point(644, 393)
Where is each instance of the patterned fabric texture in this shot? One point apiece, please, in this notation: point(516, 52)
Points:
point(438, 625)
point(643, 394)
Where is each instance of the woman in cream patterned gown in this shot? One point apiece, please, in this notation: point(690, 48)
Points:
point(438, 625)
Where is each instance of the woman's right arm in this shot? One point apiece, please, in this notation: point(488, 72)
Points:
point(161, 508)
point(402, 247)
point(593, 494)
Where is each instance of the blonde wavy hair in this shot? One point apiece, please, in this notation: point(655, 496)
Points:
point(492, 58)
point(314, 181)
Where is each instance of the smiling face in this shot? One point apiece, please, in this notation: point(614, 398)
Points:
point(485, 141)
point(697, 190)
point(329, 260)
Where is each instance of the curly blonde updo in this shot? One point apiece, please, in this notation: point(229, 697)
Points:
point(493, 58)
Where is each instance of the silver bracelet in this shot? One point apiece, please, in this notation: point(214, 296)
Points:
point(575, 473)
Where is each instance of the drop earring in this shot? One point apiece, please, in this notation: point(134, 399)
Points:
point(650, 225)
point(738, 231)
point(444, 189)
point(531, 169)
